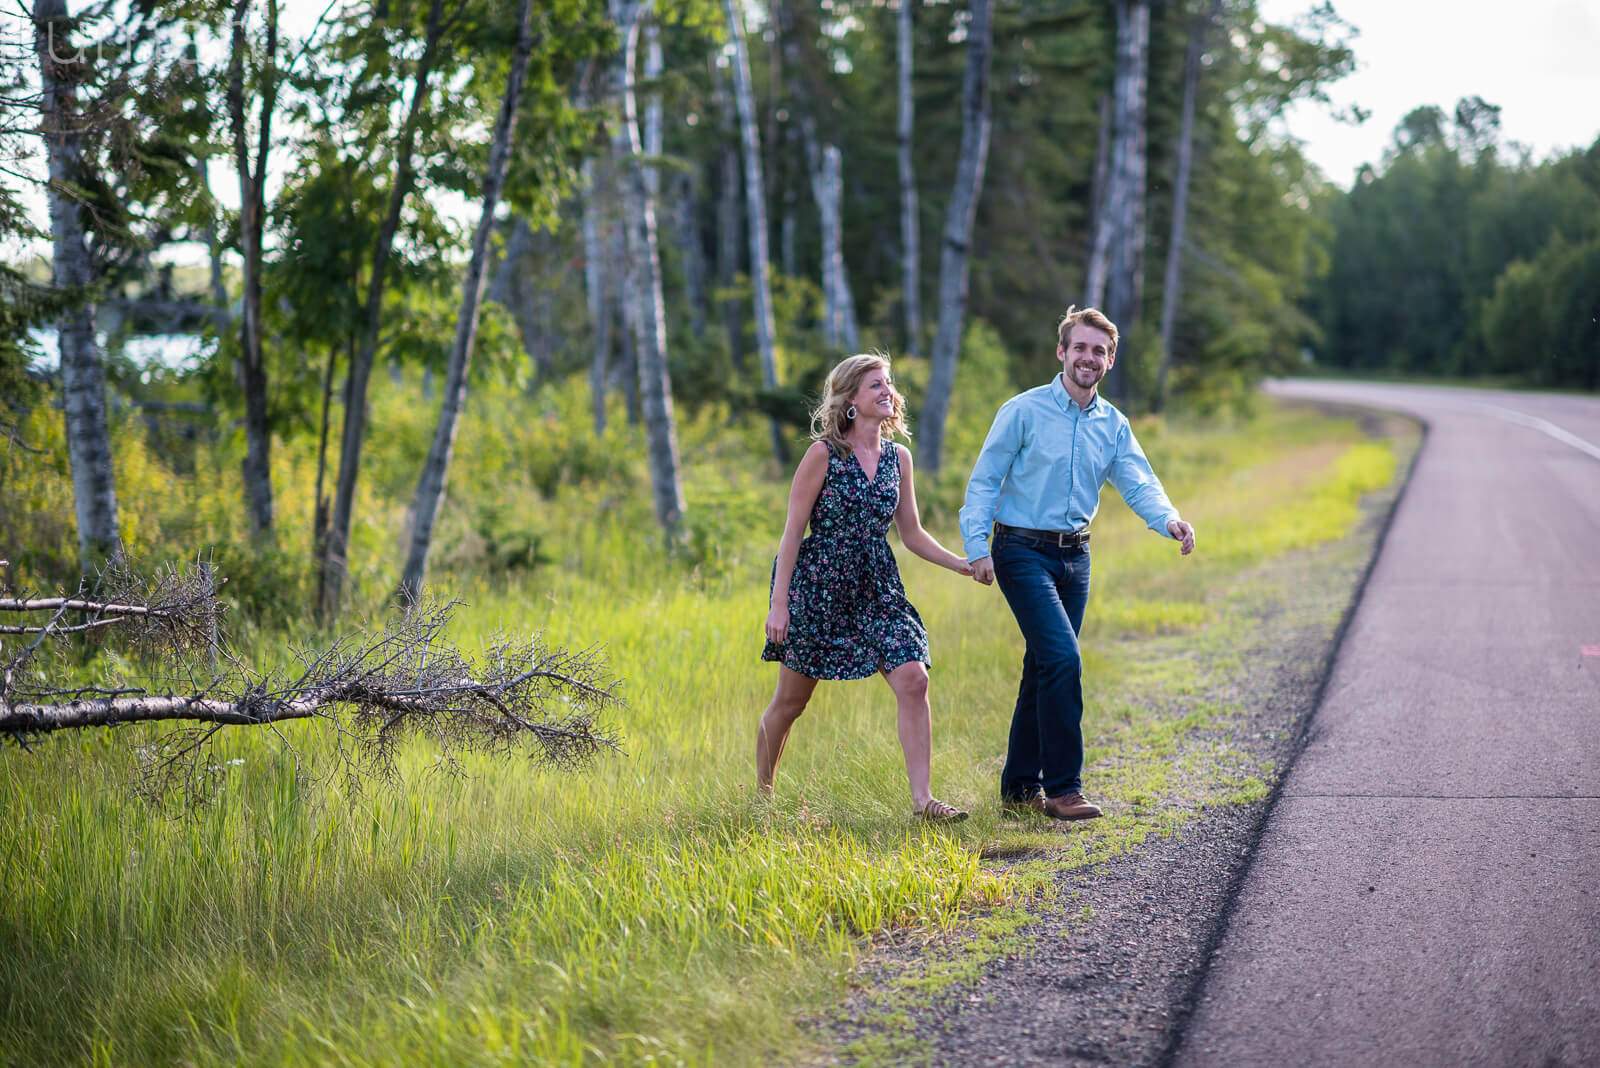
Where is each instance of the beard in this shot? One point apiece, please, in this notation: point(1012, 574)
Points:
point(1086, 376)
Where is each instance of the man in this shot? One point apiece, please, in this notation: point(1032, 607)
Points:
point(1038, 481)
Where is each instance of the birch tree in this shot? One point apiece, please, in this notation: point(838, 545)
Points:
point(728, 243)
point(1172, 280)
point(83, 389)
point(257, 465)
point(626, 371)
point(694, 259)
point(597, 293)
point(334, 561)
point(755, 213)
point(1094, 275)
point(1121, 238)
point(646, 307)
point(957, 238)
point(825, 169)
point(827, 188)
point(910, 239)
point(651, 136)
point(681, 195)
point(436, 469)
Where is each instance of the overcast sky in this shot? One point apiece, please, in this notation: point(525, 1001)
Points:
point(1539, 60)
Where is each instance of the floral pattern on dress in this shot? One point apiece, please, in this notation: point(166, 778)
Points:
point(848, 612)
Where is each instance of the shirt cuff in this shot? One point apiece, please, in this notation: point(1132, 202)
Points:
point(976, 549)
point(1160, 525)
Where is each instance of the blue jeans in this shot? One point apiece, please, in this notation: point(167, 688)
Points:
point(1047, 588)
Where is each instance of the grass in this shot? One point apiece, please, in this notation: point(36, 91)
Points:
point(651, 910)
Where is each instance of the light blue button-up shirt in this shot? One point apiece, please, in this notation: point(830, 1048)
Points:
point(1044, 462)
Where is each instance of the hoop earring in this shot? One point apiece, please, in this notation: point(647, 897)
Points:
point(850, 412)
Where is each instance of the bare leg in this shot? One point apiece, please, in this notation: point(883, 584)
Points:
point(788, 701)
point(909, 682)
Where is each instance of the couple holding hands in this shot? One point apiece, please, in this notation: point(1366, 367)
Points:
point(839, 609)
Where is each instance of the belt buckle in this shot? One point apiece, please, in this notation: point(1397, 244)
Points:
point(1064, 539)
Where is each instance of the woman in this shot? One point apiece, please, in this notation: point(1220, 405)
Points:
point(838, 609)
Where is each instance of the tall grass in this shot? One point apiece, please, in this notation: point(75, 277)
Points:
point(651, 909)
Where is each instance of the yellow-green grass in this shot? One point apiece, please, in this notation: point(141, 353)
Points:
point(651, 910)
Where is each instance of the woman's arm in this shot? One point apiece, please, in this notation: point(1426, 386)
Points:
point(807, 486)
point(908, 522)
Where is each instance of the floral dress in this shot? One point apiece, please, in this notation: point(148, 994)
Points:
point(848, 613)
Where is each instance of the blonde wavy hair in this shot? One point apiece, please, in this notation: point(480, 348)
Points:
point(830, 418)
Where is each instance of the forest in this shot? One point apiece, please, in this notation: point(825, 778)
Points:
point(664, 203)
point(1458, 255)
point(675, 205)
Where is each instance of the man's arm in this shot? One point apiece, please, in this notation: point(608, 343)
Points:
point(988, 475)
point(1141, 489)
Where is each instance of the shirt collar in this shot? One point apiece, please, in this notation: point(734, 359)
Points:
point(1064, 399)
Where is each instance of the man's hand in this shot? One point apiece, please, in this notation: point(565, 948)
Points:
point(983, 571)
point(1184, 533)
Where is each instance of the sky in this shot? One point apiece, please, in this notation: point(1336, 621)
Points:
point(1539, 60)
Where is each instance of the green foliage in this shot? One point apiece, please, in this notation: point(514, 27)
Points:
point(24, 305)
point(1543, 319)
point(1460, 258)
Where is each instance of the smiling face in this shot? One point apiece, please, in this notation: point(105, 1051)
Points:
point(1086, 355)
point(875, 398)
point(863, 381)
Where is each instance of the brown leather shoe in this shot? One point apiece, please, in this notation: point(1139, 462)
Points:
point(1019, 808)
point(1070, 807)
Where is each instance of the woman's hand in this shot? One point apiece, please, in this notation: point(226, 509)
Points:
point(778, 624)
point(959, 565)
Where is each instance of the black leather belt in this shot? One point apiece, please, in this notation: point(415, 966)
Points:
point(1064, 539)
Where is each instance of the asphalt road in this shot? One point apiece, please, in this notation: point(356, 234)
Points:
point(1426, 890)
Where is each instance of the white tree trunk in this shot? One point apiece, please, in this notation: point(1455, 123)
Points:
point(728, 243)
point(824, 168)
point(755, 213)
point(694, 259)
point(626, 371)
point(353, 437)
point(82, 378)
point(1094, 282)
point(652, 107)
point(827, 187)
point(959, 217)
point(646, 307)
point(910, 239)
point(213, 240)
point(257, 464)
point(1172, 281)
point(1125, 185)
point(429, 496)
point(509, 289)
point(595, 288)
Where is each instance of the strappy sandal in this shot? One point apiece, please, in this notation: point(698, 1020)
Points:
point(936, 811)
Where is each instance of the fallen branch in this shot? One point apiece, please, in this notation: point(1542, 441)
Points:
point(373, 689)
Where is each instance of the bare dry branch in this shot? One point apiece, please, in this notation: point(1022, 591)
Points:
point(373, 689)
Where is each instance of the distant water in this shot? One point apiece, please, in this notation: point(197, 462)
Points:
point(174, 352)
